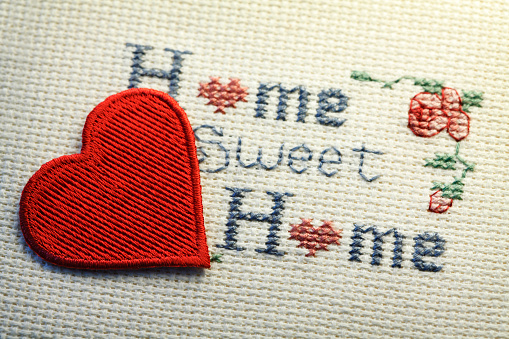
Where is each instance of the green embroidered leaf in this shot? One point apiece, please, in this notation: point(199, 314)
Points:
point(445, 161)
point(431, 86)
point(452, 191)
point(216, 258)
point(438, 185)
point(362, 76)
point(471, 99)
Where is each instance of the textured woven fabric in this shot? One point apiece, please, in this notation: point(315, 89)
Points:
point(325, 232)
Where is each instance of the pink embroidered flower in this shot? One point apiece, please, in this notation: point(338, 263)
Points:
point(429, 114)
point(439, 204)
point(426, 117)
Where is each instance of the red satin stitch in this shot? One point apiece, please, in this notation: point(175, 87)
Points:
point(130, 199)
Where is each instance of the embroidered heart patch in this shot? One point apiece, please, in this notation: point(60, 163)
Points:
point(130, 199)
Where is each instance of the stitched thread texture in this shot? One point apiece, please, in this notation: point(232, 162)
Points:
point(223, 96)
point(273, 219)
point(315, 238)
point(431, 111)
point(61, 58)
point(131, 199)
point(139, 71)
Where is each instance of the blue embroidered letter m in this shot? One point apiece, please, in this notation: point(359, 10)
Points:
point(263, 96)
point(376, 256)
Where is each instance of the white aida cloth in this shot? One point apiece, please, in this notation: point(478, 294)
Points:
point(58, 60)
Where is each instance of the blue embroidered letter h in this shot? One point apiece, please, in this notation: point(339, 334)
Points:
point(273, 219)
point(140, 71)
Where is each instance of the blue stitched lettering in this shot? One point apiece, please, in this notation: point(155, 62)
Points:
point(291, 158)
point(376, 256)
point(235, 215)
point(364, 150)
point(322, 161)
point(218, 132)
point(421, 251)
point(274, 224)
point(262, 96)
point(139, 71)
point(398, 249)
point(325, 106)
point(259, 158)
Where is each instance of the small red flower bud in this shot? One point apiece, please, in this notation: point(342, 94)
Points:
point(439, 204)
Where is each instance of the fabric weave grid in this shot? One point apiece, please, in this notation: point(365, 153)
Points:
point(59, 59)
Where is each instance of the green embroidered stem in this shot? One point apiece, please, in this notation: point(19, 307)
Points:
point(447, 161)
point(468, 167)
point(428, 85)
point(216, 258)
point(389, 84)
point(469, 98)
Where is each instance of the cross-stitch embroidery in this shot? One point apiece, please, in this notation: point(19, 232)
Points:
point(222, 96)
point(315, 238)
point(429, 114)
point(435, 109)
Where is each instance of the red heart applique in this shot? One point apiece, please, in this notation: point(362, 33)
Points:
point(131, 199)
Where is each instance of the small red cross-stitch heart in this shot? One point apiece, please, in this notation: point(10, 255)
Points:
point(130, 199)
point(223, 96)
point(315, 238)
